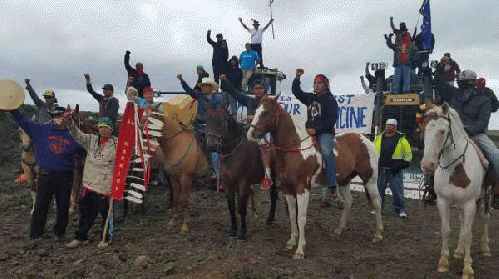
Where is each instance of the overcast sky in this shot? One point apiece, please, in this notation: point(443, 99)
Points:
point(55, 42)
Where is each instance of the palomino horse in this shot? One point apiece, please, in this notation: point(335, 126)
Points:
point(241, 165)
point(459, 173)
point(184, 161)
point(28, 162)
point(298, 164)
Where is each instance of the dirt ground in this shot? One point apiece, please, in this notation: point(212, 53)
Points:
point(410, 248)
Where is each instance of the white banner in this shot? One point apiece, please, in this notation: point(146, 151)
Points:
point(355, 112)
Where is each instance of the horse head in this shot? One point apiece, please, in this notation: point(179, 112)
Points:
point(265, 119)
point(217, 127)
point(438, 134)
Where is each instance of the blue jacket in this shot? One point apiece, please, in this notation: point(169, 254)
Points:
point(248, 59)
point(54, 148)
point(322, 110)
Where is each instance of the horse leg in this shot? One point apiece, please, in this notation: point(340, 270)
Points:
point(467, 234)
point(345, 213)
point(459, 252)
point(242, 206)
point(444, 210)
point(77, 185)
point(185, 183)
point(176, 197)
point(273, 199)
point(291, 201)
point(485, 249)
point(302, 201)
point(231, 203)
point(372, 190)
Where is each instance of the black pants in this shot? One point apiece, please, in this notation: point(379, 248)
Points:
point(53, 183)
point(91, 205)
point(258, 49)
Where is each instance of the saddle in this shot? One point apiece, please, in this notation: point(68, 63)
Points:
point(491, 177)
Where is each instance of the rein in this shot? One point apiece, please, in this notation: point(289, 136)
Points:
point(275, 121)
point(170, 168)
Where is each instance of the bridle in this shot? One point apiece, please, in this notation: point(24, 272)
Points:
point(225, 130)
point(274, 122)
point(450, 137)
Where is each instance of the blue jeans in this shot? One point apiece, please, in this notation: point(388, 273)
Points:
point(326, 143)
point(489, 148)
point(401, 83)
point(386, 176)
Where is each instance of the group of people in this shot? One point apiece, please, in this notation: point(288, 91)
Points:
point(57, 141)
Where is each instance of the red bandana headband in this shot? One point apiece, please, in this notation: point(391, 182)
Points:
point(322, 78)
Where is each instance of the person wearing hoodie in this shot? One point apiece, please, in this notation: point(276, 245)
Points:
point(321, 120)
point(235, 77)
point(220, 55)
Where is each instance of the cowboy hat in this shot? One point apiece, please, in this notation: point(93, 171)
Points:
point(211, 82)
point(11, 94)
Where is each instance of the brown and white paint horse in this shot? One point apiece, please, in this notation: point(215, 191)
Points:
point(299, 163)
point(459, 173)
point(184, 161)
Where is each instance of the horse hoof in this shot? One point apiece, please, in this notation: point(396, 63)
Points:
point(458, 255)
point(338, 231)
point(290, 246)
point(298, 256)
point(486, 254)
point(468, 272)
point(377, 238)
point(269, 222)
point(443, 265)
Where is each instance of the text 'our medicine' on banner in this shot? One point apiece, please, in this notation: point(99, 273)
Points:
point(355, 112)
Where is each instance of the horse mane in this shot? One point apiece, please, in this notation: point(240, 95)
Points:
point(454, 117)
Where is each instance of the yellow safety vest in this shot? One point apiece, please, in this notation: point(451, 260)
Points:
point(402, 150)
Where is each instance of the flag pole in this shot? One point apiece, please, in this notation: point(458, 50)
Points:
point(271, 17)
point(106, 225)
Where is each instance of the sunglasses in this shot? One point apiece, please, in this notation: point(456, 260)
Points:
point(47, 97)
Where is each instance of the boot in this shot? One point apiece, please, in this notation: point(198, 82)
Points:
point(430, 197)
point(495, 201)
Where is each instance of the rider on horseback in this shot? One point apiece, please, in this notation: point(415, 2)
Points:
point(251, 103)
point(207, 98)
point(474, 109)
point(321, 119)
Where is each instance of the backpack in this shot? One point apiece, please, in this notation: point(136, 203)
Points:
point(494, 102)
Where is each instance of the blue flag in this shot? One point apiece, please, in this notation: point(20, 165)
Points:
point(427, 37)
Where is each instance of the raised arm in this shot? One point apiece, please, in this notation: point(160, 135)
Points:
point(208, 38)
point(389, 41)
point(90, 90)
point(296, 89)
point(268, 24)
point(128, 68)
point(24, 123)
point(244, 25)
point(392, 25)
point(244, 99)
point(366, 88)
point(187, 88)
point(38, 102)
point(81, 138)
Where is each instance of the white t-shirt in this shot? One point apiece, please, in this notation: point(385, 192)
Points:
point(256, 35)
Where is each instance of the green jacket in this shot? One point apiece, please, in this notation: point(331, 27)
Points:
point(402, 155)
point(99, 165)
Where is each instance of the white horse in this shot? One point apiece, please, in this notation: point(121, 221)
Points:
point(459, 172)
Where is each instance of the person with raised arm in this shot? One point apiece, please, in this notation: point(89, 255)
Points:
point(140, 79)
point(256, 36)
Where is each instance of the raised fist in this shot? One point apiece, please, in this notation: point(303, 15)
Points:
point(179, 76)
point(299, 72)
point(87, 76)
point(240, 19)
point(128, 52)
point(26, 81)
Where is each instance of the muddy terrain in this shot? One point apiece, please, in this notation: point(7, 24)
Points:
point(145, 247)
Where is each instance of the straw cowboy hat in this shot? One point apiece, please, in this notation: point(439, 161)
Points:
point(211, 82)
point(11, 94)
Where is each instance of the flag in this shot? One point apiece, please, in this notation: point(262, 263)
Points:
point(427, 39)
point(124, 151)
